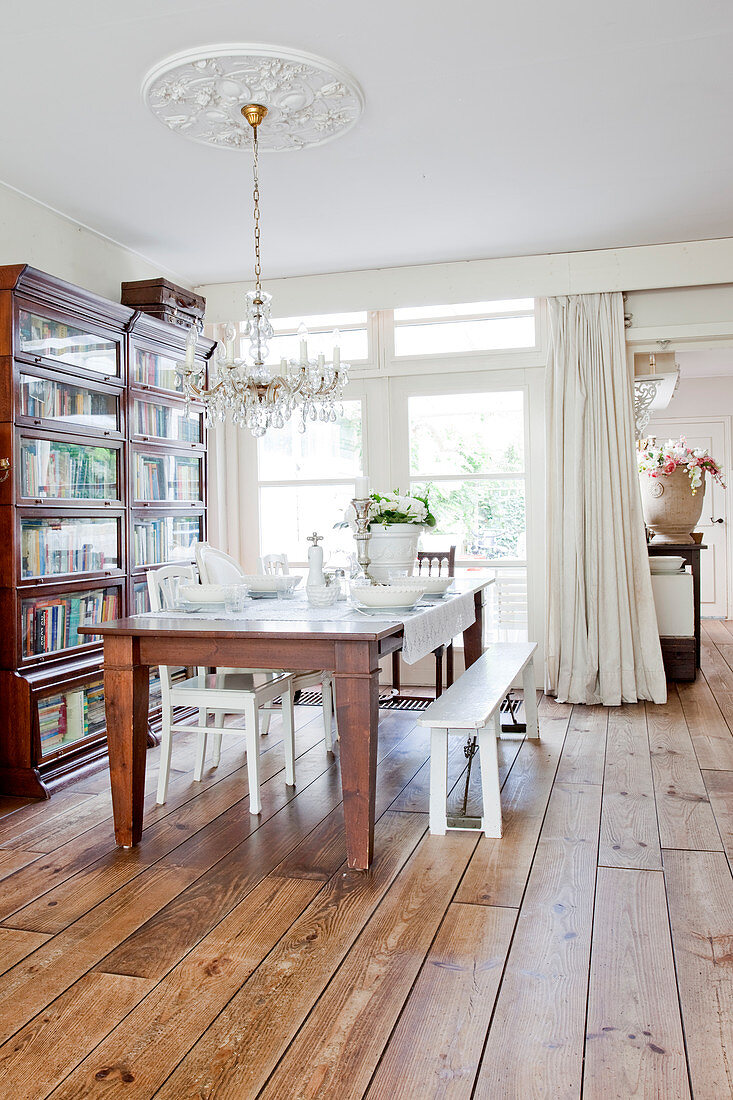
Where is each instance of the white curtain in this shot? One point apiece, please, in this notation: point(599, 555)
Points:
point(602, 638)
point(232, 523)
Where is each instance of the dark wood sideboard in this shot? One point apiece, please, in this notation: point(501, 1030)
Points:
point(679, 663)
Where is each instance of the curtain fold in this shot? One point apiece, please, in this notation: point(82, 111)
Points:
point(602, 637)
point(227, 463)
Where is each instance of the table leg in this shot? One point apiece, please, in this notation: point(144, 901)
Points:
point(473, 637)
point(530, 700)
point(126, 707)
point(357, 701)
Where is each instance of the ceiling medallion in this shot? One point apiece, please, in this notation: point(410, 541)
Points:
point(199, 94)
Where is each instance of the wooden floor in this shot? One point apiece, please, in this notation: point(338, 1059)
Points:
point(587, 953)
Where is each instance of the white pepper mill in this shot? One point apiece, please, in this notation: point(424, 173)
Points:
point(316, 578)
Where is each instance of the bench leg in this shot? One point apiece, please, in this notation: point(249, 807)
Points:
point(530, 701)
point(490, 789)
point(438, 781)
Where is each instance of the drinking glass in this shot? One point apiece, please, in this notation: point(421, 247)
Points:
point(235, 599)
point(174, 594)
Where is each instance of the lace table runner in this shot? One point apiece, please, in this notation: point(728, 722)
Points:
point(431, 624)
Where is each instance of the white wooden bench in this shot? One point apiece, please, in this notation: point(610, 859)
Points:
point(473, 703)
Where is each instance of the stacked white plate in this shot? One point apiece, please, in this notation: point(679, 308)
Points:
point(435, 587)
point(266, 586)
point(666, 564)
point(378, 599)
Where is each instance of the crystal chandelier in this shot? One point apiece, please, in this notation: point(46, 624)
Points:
point(255, 395)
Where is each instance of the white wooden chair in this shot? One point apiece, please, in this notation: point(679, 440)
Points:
point(274, 564)
point(239, 691)
point(216, 567)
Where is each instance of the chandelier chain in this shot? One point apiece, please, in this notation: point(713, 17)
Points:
point(256, 197)
point(256, 395)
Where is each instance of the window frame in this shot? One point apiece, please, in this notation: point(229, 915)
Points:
point(354, 394)
point(495, 358)
point(367, 364)
point(531, 382)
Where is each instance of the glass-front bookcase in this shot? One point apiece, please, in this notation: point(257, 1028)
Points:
point(52, 546)
point(108, 480)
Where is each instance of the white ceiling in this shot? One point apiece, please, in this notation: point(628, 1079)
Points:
point(490, 129)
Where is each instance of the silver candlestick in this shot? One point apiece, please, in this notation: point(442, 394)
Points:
point(362, 509)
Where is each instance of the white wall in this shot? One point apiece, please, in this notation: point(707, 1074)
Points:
point(701, 397)
point(34, 234)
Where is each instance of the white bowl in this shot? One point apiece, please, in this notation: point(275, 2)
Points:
point(324, 595)
point(199, 595)
point(387, 595)
point(663, 563)
point(268, 582)
point(434, 586)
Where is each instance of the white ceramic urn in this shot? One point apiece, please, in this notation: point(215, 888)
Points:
point(671, 511)
point(392, 548)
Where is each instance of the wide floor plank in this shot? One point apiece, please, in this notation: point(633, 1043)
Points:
point(15, 945)
point(584, 751)
point(683, 808)
point(535, 1045)
point(634, 1043)
point(629, 830)
point(720, 792)
point(437, 1043)
point(700, 896)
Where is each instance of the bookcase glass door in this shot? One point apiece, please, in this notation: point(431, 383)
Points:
point(66, 717)
point(140, 598)
point(53, 469)
point(70, 406)
point(49, 622)
point(161, 539)
point(44, 338)
point(164, 476)
point(168, 422)
point(69, 544)
point(150, 368)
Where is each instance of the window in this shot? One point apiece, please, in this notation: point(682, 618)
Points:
point(474, 327)
point(306, 481)
point(468, 449)
point(353, 338)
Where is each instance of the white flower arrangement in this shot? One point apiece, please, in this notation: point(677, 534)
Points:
point(395, 507)
point(399, 507)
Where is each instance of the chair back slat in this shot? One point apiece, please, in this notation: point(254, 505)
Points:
point(435, 560)
point(273, 564)
point(162, 590)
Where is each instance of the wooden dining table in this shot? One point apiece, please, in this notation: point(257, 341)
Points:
point(350, 650)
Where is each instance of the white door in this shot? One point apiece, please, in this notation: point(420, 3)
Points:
point(713, 436)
